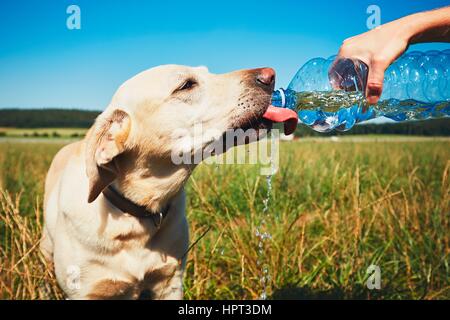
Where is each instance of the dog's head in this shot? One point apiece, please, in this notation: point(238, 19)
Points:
point(151, 115)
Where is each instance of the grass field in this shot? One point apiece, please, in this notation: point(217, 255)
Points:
point(335, 209)
point(43, 132)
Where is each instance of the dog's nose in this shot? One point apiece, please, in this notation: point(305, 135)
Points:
point(266, 76)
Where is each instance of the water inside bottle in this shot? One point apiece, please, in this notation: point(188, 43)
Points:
point(329, 101)
point(338, 109)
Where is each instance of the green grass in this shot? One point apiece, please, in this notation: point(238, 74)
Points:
point(335, 209)
point(43, 132)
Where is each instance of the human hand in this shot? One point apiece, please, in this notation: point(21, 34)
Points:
point(377, 48)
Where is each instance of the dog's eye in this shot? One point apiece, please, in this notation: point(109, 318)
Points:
point(188, 84)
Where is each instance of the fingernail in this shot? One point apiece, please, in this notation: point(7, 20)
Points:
point(374, 92)
point(372, 99)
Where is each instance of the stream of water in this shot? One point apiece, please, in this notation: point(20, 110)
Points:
point(263, 234)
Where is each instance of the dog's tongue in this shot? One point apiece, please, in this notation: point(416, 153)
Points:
point(287, 116)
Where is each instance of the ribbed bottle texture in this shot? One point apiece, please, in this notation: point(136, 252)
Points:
point(416, 86)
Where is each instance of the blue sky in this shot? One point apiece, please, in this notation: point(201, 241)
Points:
point(44, 64)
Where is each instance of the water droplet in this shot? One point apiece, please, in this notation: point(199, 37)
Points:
point(263, 234)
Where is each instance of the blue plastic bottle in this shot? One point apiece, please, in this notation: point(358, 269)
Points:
point(416, 86)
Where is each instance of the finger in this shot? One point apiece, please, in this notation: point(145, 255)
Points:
point(344, 74)
point(375, 79)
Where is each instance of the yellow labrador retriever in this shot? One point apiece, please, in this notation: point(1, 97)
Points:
point(115, 225)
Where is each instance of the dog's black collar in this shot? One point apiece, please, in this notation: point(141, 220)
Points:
point(128, 206)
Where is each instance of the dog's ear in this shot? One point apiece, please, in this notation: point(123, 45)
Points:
point(105, 141)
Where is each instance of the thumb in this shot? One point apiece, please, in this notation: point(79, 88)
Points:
point(375, 79)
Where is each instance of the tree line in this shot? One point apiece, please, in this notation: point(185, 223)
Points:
point(47, 118)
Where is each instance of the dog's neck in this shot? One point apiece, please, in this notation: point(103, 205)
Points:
point(151, 182)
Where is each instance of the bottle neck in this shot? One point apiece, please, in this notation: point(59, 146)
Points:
point(284, 98)
point(279, 98)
